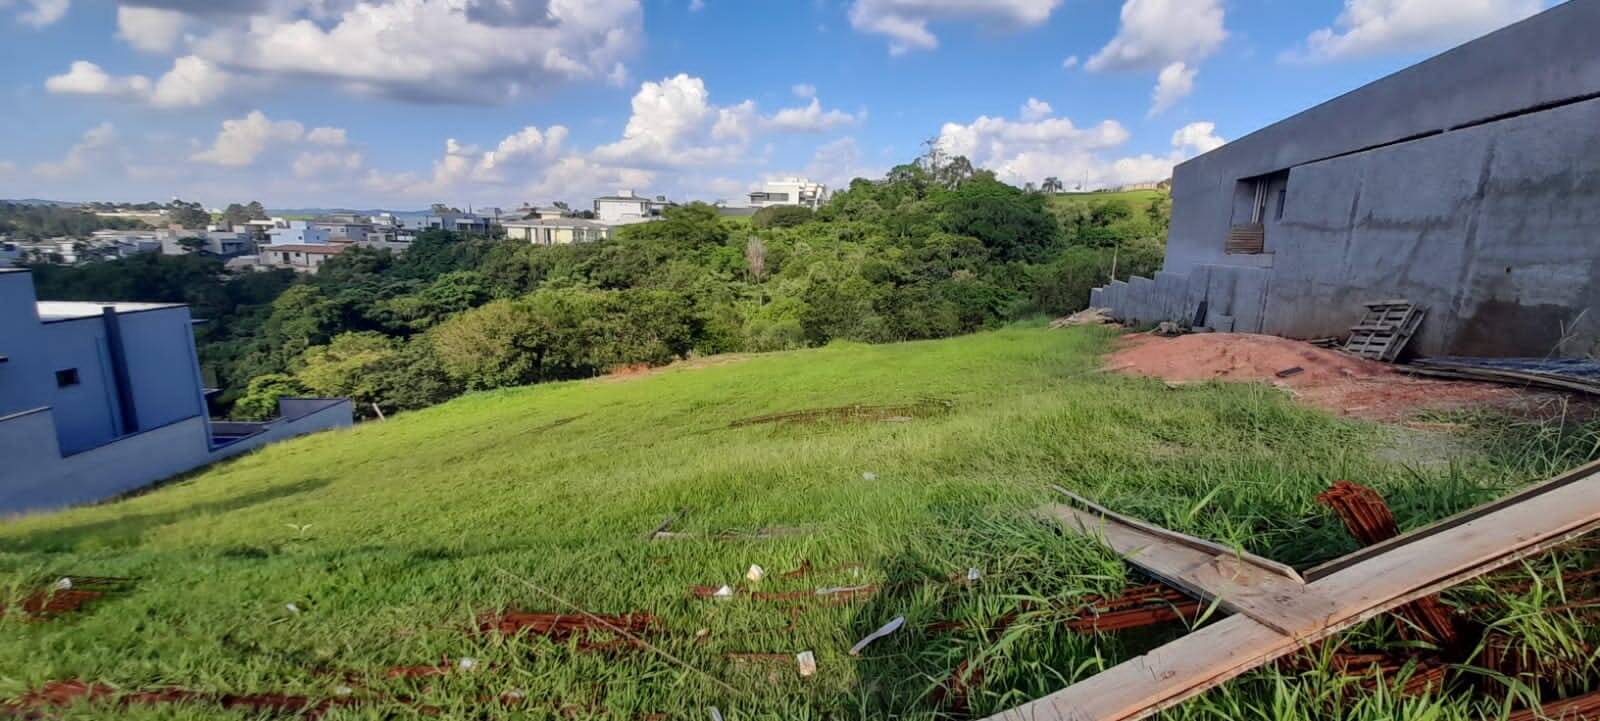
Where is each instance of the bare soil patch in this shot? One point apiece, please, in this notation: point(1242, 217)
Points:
point(641, 370)
point(1327, 379)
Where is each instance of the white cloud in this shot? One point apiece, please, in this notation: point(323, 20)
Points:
point(480, 51)
point(906, 21)
point(1156, 33)
point(191, 82)
point(804, 91)
point(331, 137)
point(324, 163)
point(1372, 27)
point(152, 30)
point(1199, 137)
point(675, 124)
point(1070, 63)
point(809, 119)
point(86, 78)
point(242, 140)
point(39, 13)
point(1174, 83)
point(1023, 151)
point(1035, 109)
point(91, 153)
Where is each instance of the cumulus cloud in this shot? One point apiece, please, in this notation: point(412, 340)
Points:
point(1174, 83)
point(331, 137)
point(1153, 34)
point(675, 124)
point(314, 164)
point(90, 153)
point(191, 82)
point(804, 91)
point(1035, 109)
point(242, 140)
point(38, 13)
point(1021, 151)
point(152, 30)
point(484, 51)
point(905, 22)
point(1373, 27)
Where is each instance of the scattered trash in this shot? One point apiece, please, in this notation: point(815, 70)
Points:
point(343, 690)
point(1168, 329)
point(1557, 374)
point(869, 476)
point(63, 584)
point(702, 634)
point(724, 592)
point(1290, 372)
point(291, 608)
point(1087, 316)
point(715, 714)
point(882, 631)
point(755, 574)
point(972, 575)
point(467, 663)
point(808, 664)
point(807, 569)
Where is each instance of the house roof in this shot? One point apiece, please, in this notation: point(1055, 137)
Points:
point(54, 310)
point(555, 223)
point(297, 248)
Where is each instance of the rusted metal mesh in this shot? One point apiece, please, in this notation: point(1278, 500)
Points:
point(583, 628)
point(1576, 708)
point(1369, 520)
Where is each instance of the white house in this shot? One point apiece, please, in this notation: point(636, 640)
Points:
point(10, 254)
point(299, 232)
point(98, 399)
point(790, 191)
point(627, 207)
point(556, 231)
point(305, 258)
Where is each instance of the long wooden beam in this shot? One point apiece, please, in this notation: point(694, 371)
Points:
point(1394, 574)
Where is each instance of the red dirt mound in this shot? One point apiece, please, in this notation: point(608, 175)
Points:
point(1327, 379)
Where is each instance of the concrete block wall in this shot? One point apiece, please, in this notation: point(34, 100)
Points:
point(1237, 294)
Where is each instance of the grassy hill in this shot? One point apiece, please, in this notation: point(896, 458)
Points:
point(390, 539)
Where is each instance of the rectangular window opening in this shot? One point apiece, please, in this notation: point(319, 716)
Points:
point(67, 378)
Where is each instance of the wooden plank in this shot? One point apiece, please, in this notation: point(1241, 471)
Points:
point(1388, 575)
point(1229, 579)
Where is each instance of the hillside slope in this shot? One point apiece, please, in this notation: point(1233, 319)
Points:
point(329, 561)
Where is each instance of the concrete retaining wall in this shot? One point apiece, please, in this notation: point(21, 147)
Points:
point(35, 476)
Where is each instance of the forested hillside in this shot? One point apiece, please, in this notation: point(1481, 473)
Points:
point(919, 254)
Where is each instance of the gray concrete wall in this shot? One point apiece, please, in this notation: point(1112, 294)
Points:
point(1469, 183)
point(36, 477)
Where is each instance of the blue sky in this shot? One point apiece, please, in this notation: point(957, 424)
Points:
point(400, 103)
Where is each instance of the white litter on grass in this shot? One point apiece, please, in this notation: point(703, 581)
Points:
point(869, 476)
point(715, 714)
point(515, 694)
point(840, 589)
point(292, 608)
point(724, 592)
point(467, 664)
point(973, 575)
point(343, 690)
point(63, 584)
point(808, 663)
point(755, 574)
point(884, 630)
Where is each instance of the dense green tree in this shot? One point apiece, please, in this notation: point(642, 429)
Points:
point(781, 216)
point(260, 399)
point(1012, 224)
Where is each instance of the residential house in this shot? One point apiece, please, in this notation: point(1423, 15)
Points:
point(1465, 184)
point(98, 399)
point(354, 228)
point(10, 254)
point(790, 191)
point(457, 222)
point(299, 232)
point(627, 207)
point(556, 231)
point(305, 258)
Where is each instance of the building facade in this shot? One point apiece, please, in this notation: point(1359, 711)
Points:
point(98, 399)
point(299, 232)
point(790, 191)
point(1468, 184)
point(627, 207)
point(556, 231)
point(302, 258)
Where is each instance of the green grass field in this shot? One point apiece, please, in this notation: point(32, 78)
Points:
point(392, 537)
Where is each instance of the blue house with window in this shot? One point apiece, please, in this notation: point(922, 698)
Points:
point(98, 399)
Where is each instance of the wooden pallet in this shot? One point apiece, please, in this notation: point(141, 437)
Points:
point(1384, 330)
point(1247, 238)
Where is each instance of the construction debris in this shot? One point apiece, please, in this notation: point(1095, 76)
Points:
point(1582, 376)
point(808, 663)
point(755, 574)
point(1355, 588)
point(884, 630)
point(1384, 330)
point(1087, 316)
point(66, 595)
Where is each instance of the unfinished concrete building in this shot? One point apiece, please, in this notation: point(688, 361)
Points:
point(1468, 184)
